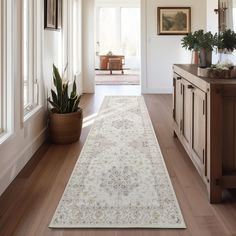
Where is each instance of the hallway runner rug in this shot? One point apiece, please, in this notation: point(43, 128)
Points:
point(120, 179)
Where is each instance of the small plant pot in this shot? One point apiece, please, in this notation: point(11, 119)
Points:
point(205, 58)
point(65, 128)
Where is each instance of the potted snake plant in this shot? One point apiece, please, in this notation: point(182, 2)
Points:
point(65, 115)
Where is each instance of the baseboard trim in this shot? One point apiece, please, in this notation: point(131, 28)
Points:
point(21, 160)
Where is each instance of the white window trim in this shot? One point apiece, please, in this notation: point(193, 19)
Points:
point(78, 33)
point(68, 39)
point(29, 111)
point(1, 69)
point(7, 68)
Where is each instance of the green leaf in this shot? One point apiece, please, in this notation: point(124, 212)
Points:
point(65, 98)
point(65, 70)
point(54, 96)
point(76, 105)
point(54, 81)
point(55, 106)
point(56, 72)
point(73, 92)
point(58, 83)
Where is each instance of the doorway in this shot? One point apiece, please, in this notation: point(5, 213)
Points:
point(117, 43)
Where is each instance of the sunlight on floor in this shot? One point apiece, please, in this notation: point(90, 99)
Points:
point(89, 120)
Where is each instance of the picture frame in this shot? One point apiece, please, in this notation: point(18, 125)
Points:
point(50, 14)
point(59, 14)
point(53, 14)
point(173, 20)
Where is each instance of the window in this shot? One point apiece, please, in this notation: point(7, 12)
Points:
point(130, 19)
point(76, 37)
point(6, 94)
point(108, 34)
point(72, 21)
point(118, 31)
point(1, 69)
point(30, 82)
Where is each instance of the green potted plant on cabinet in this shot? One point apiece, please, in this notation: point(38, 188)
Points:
point(203, 43)
point(65, 115)
point(227, 41)
point(226, 45)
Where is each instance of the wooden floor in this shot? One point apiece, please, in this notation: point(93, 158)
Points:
point(28, 205)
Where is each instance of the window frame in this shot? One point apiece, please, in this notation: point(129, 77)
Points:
point(77, 36)
point(33, 58)
point(1, 66)
point(68, 42)
point(7, 66)
point(118, 9)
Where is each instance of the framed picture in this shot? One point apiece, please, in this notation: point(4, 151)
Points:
point(173, 20)
point(59, 14)
point(50, 14)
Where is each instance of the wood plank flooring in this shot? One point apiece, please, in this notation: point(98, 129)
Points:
point(28, 205)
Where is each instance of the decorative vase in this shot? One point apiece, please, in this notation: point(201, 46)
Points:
point(195, 57)
point(65, 128)
point(205, 57)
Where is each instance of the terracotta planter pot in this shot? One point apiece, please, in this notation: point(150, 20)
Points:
point(65, 128)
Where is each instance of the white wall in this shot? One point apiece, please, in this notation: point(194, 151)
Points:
point(161, 52)
point(28, 136)
point(158, 53)
point(51, 55)
point(212, 17)
point(212, 22)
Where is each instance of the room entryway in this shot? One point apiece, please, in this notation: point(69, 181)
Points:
point(117, 40)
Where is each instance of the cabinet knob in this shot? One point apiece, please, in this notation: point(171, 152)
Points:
point(190, 86)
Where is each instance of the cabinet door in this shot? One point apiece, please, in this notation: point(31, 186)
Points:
point(177, 112)
point(187, 113)
point(199, 129)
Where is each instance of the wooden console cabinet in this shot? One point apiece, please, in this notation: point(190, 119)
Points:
point(112, 63)
point(204, 114)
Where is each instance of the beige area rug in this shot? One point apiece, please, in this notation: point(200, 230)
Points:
point(117, 79)
point(120, 179)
